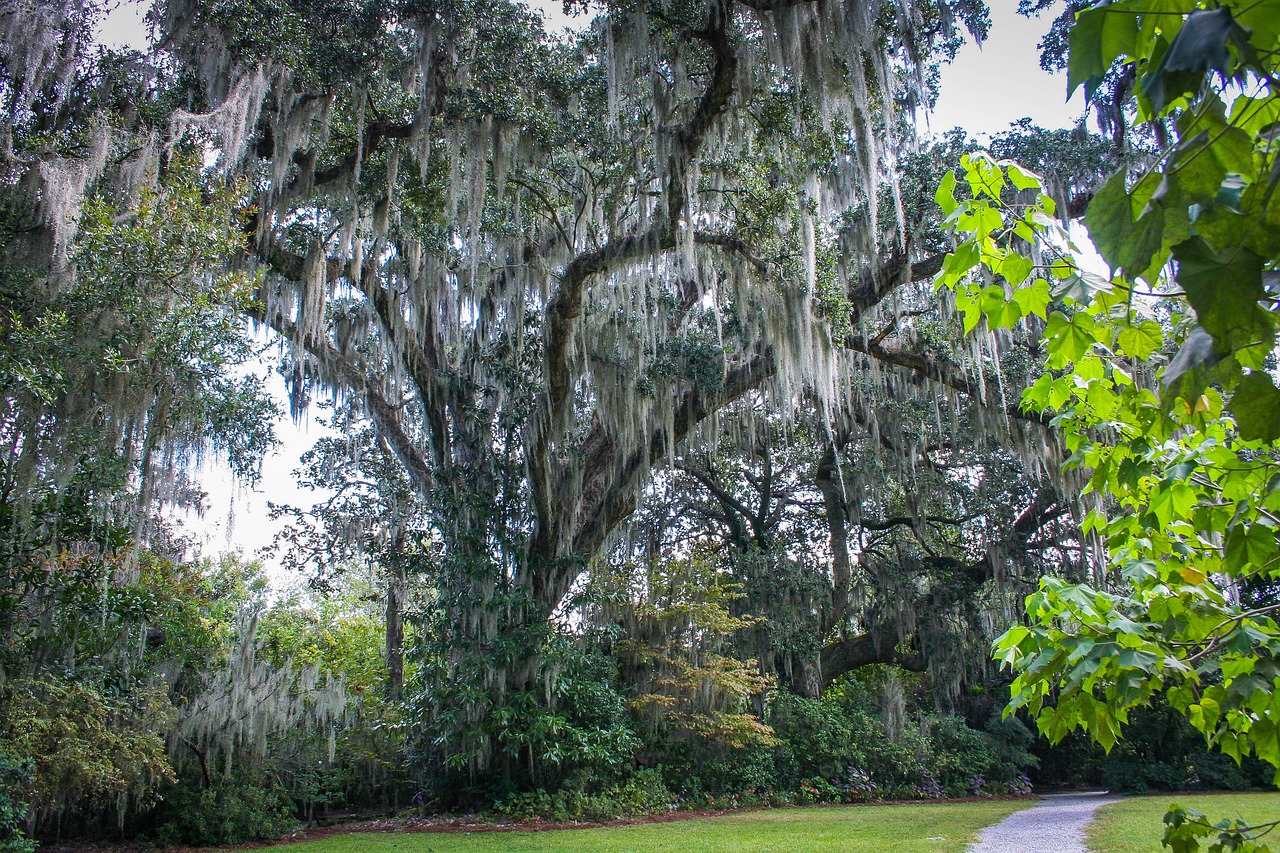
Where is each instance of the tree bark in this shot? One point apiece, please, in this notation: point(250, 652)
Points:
point(854, 652)
point(395, 629)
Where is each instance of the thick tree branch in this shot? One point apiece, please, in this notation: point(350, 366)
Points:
point(853, 652)
point(876, 282)
point(565, 308)
point(923, 368)
point(733, 245)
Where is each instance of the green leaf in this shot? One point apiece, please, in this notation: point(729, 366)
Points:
point(1140, 341)
point(1033, 298)
point(970, 312)
point(946, 193)
point(1110, 219)
point(959, 262)
point(1015, 268)
point(1262, 19)
point(1143, 242)
point(1184, 377)
point(1207, 130)
point(1070, 337)
point(1022, 179)
point(1173, 502)
point(1249, 223)
point(1256, 407)
point(1266, 741)
point(1001, 311)
point(1200, 46)
point(1099, 37)
point(1225, 290)
point(1249, 545)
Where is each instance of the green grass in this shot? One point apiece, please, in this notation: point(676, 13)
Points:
point(1137, 824)
point(924, 828)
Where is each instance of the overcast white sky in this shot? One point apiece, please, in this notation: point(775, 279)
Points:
point(988, 88)
point(983, 91)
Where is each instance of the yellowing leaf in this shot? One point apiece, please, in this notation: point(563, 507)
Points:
point(1192, 575)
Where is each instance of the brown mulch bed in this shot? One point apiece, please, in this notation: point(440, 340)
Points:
point(472, 823)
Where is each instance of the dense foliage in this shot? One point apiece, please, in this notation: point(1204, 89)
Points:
point(1180, 478)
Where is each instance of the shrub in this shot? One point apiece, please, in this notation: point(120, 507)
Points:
point(247, 806)
point(817, 738)
point(90, 750)
point(642, 793)
point(841, 740)
point(961, 754)
point(14, 774)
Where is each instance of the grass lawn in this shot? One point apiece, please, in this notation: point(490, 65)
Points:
point(924, 828)
point(1138, 824)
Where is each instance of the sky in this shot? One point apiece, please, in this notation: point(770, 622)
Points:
point(984, 90)
point(988, 88)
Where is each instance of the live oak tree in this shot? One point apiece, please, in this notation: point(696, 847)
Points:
point(538, 265)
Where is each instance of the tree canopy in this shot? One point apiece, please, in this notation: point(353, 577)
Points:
point(539, 266)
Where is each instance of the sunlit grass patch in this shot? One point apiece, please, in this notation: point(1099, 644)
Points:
point(922, 828)
point(1137, 824)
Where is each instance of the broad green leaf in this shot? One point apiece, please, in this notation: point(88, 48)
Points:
point(1142, 243)
point(956, 264)
point(1184, 377)
point(1070, 337)
point(1256, 228)
point(1199, 47)
point(1001, 311)
point(1256, 407)
point(1214, 137)
point(1171, 502)
point(1224, 290)
point(1141, 340)
point(1249, 545)
point(1015, 268)
point(1021, 178)
point(970, 312)
point(980, 219)
point(946, 193)
point(1033, 298)
point(1266, 741)
point(1262, 19)
point(1110, 219)
point(1100, 35)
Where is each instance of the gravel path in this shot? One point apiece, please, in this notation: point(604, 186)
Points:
point(1056, 825)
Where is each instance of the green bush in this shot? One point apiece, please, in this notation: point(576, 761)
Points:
point(247, 806)
point(92, 748)
point(643, 793)
point(836, 748)
point(14, 774)
point(968, 761)
point(1161, 751)
point(1214, 771)
point(818, 738)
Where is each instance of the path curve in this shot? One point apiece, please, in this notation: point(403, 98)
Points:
point(1055, 825)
